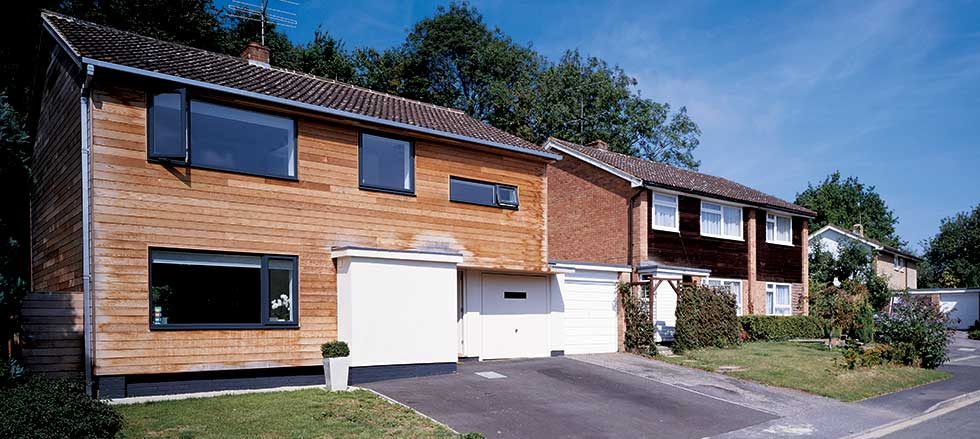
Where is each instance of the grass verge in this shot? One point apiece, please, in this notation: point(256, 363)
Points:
point(807, 367)
point(310, 413)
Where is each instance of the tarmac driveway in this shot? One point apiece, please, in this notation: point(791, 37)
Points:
point(562, 397)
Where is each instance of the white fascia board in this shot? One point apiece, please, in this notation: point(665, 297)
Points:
point(634, 182)
point(561, 266)
point(944, 291)
point(657, 270)
point(398, 255)
point(314, 108)
point(846, 233)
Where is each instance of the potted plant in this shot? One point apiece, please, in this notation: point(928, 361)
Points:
point(336, 363)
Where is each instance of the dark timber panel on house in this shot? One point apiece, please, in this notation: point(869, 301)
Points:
point(777, 262)
point(51, 339)
point(725, 258)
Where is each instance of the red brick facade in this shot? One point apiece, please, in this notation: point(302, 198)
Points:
point(588, 214)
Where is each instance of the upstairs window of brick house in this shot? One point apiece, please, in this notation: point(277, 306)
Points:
point(779, 229)
point(721, 221)
point(665, 215)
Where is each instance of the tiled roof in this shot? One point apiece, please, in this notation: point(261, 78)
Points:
point(108, 45)
point(669, 177)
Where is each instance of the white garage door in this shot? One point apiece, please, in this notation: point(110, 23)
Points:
point(515, 317)
point(590, 311)
point(963, 309)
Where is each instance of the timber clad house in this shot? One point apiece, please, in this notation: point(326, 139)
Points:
point(672, 225)
point(205, 222)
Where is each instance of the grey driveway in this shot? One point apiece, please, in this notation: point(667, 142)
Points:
point(562, 397)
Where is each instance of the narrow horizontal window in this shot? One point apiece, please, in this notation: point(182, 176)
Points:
point(483, 193)
point(214, 136)
point(221, 290)
point(515, 295)
point(779, 229)
point(721, 221)
point(665, 213)
point(386, 163)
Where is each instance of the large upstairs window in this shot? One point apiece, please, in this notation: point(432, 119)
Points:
point(721, 221)
point(197, 290)
point(386, 164)
point(215, 136)
point(665, 214)
point(779, 229)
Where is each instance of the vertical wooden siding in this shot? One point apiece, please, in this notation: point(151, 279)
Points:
point(138, 205)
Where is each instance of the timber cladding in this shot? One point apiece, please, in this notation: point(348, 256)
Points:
point(777, 262)
point(726, 258)
point(138, 205)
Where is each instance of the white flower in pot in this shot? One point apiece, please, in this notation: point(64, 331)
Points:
point(336, 364)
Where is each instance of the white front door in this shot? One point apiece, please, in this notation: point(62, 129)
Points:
point(665, 312)
point(515, 317)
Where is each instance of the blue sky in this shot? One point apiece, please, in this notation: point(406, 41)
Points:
point(784, 92)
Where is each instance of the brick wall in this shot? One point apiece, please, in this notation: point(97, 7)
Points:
point(587, 213)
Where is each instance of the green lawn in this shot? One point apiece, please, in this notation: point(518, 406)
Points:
point(807, 367)
point(310, 413)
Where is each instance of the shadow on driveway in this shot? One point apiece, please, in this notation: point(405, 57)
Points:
point(560, 397)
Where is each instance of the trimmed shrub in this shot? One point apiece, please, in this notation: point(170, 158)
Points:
point(334, 349)
point(639, 328)
point(705, 318)
point(780, 328)
point(854, 355)
point(918, 327)
point(43, 408)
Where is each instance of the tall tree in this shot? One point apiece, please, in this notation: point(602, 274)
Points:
point(584, 99)
point(952, 257)
point(846, 202)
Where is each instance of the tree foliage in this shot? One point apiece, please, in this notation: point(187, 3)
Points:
point(952, 257)
point(847, 201)
point(854, 262)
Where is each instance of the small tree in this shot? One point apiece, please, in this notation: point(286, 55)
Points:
point(841, 308)
point(639, 327)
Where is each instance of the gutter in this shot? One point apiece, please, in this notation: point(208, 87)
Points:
point(87, 310)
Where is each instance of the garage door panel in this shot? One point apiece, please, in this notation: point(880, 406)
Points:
point(963, 309)
point(515, 317)
point(590, 312)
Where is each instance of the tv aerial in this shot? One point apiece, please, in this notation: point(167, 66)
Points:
point(263, 13)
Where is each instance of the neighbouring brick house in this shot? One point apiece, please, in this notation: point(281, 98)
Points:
point(898, 266)
point(672, 225)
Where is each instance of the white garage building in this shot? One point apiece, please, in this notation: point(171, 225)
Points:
point(961, 304)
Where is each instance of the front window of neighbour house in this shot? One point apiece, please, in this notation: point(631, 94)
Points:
point(779, 229)
point(778, 299)
point(221, 290)
point(721, 221)
point(485, 194)
point(899, 263)
point(665, 215)
point(215, 136)
point(733, 286)
point(386, 164)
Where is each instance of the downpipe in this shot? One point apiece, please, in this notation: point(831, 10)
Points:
point(88, 320)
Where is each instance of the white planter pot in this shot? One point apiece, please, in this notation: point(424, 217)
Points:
point(335, 372)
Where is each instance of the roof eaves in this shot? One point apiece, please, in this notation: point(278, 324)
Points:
point(632, 179)
point(314, 108)
point(63, 42)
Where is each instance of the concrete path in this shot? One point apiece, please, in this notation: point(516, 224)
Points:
point(798, 414)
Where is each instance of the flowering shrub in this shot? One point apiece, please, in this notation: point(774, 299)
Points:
point(917, 327)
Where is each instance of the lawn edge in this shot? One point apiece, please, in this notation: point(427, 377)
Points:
point(393, 401)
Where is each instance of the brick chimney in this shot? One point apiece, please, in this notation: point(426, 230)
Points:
point(256, 54)
point(599, 144)
point(858, 229)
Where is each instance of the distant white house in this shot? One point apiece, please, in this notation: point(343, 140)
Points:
point(896, 265)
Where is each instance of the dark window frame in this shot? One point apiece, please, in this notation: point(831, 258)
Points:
point(187, 95)
point(360, 160)
point(496, 196)
point(263, 296)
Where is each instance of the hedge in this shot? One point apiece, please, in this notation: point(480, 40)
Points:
point(705, 318)
point(780, 328)
point(44, 408)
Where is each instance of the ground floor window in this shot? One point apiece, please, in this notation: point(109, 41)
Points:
point(778, 299)
point(193, 289)
point(733, 286)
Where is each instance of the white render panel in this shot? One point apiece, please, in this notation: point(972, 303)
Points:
point(589, 298)
point(963, 309)
point(394, 311)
